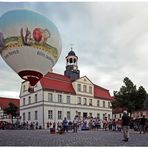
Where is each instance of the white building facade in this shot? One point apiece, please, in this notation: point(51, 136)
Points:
point(57, 96)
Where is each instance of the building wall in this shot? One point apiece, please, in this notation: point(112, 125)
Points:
point(83, 81)
point(117, 115)
point(45, 104)
point(138, 114)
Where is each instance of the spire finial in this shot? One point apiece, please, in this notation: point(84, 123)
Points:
point(71, 46)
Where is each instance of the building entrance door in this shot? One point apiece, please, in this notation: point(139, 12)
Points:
point(84, 115)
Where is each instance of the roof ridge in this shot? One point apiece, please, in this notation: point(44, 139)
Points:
point(9, 98)
point(52, 78)
point(101, 87)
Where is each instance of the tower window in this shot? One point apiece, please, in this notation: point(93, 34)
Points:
point(74, 60)
point(70, 60)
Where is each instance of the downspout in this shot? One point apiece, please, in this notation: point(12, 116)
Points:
point(43, 110)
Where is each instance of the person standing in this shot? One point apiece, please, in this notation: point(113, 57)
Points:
point(142, 124)
point(65, 125)
point(75, 125)
point(125, 126)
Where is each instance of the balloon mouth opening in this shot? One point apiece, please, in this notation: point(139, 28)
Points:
point(32, 76)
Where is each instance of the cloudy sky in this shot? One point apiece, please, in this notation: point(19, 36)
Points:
point(110, 39)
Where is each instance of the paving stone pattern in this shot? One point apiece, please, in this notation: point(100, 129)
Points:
point(82, 138)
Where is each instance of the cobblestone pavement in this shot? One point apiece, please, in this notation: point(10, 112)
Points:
point(82, 138)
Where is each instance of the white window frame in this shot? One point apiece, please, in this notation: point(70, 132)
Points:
point(50, 97)
point(59, 98)
point(68, 100)
point(90, 89)
point(104, 104)
point(79, 100)
point(35, 98)
point(24, 101)
point(85, 88)
point(79, 87)
point(98, 103)
point(59, 115)
point(50, 114)
point(85, 101)
point(24, 116)
point(29, 116)
point(90, 102)
point(68, 115)
point(29, 100)
point(36, 115)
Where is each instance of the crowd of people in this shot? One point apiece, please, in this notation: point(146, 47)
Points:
point(139, 124)
point(88, 123)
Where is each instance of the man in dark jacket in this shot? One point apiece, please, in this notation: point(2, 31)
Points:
point(142, 124)
point(125, 126)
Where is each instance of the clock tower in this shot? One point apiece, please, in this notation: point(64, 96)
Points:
point(71, 66)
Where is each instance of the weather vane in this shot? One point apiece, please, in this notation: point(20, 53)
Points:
point(71, 46)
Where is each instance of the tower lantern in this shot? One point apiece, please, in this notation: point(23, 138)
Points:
point(71, 66)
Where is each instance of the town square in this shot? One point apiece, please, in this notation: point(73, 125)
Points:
point(82, 138)
point(73, 74)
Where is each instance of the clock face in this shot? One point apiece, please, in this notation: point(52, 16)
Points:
point(75, 67)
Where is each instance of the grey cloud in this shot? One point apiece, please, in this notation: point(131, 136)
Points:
point(110, 39)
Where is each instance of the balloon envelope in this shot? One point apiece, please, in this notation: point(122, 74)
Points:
point(29, 43)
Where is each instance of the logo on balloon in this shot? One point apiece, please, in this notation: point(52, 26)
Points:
point(37, 39)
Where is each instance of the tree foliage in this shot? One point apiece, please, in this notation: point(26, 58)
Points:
point(129, 96)
point(12, 110)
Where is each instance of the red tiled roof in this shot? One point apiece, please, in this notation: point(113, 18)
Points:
point(61, 83)
point(4, 102)
point(118, 110)
point(57, 82)
point(100, 92)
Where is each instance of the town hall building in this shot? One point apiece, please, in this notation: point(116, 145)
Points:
point(57, 96)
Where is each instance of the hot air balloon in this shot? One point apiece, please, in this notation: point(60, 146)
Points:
point(29, 43)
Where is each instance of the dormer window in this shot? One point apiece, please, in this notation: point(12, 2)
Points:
point(79, 87)
point(90, 89)
point(84, 88)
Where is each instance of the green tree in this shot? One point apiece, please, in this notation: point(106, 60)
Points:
point(129, 97)
point(12, 110)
